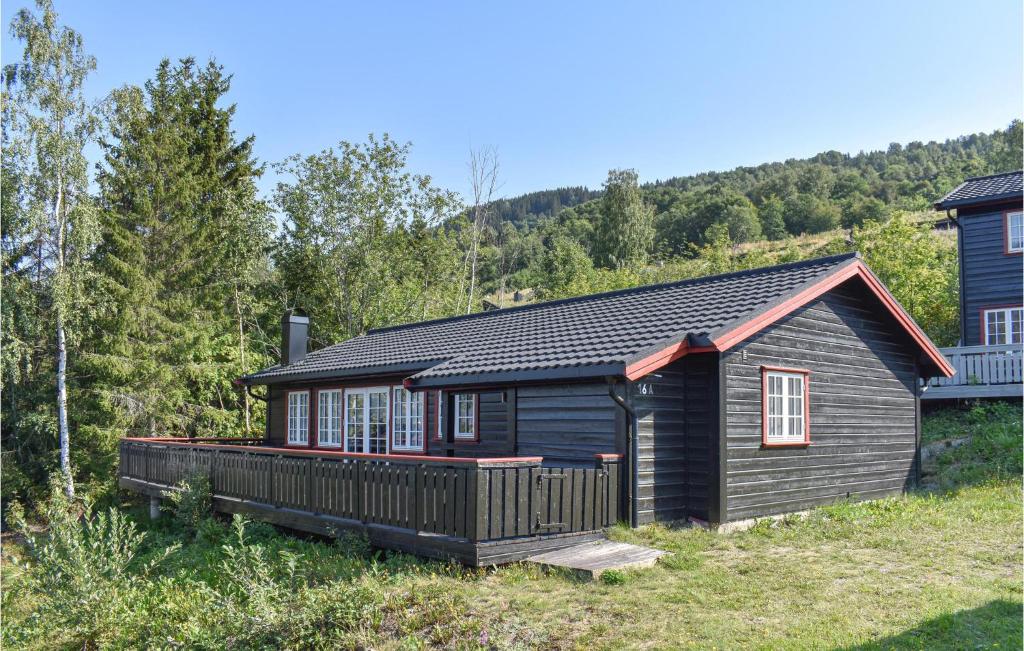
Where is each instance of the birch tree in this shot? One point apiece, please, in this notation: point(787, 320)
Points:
point(48, 123)
point(483, 179)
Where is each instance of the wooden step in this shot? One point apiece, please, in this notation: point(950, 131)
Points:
point(594, 558)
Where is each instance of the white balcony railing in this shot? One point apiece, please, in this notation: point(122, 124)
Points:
point(981, 371)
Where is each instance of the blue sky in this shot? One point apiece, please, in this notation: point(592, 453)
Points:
point(567, 91)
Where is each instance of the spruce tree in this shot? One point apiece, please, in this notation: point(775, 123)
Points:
point(185, 241)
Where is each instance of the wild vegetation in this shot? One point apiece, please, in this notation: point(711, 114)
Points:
point(142, 291)
point(851, 575)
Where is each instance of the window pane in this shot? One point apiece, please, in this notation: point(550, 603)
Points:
point(785, 406)
point(995, 326)
point(1015, 232)
point(355, 430)
point(1016, 325)
point(298, 418)
point(378, 423)
point(465, 420)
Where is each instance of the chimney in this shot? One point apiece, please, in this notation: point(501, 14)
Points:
point(294, 335)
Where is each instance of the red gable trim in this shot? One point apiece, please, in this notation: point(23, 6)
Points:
point(665, 356)
point(732, 337)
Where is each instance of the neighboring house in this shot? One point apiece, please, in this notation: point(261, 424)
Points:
point(988, 213)
point(990, 218)
point(489, 436)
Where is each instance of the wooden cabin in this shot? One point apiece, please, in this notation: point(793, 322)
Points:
point(491, 436)
point(988, 213)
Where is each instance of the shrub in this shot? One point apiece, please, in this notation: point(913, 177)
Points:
point(994, 450)
point(192, 500)
point(84, 569)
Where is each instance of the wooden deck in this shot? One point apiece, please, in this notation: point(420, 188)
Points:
point(476, 511)
point(981, 372)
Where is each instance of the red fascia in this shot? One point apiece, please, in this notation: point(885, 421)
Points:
point(739, 333)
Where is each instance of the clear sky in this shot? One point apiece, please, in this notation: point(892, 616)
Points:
point(566, 91)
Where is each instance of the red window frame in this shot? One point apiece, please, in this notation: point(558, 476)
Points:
point(1006, 232)
point(765, 443)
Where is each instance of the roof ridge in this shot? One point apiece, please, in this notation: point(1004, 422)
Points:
point(620, 292)
point(991, 176)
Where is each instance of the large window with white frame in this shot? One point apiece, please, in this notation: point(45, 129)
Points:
point(298, 418)
point(1003, 325)
point(407, 420)
point(785, 409)
point(329, 418)
point(1015, 232)
point(366, 420)
point(465, 416)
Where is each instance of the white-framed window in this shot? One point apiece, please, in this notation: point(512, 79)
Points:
point(1003, 325)
point(439, 428)
point(407, 420)
point(1015, 232)
point(465, 416)
point(366, 420)
point(298, 418)
point(785, 406)
point(329, 418)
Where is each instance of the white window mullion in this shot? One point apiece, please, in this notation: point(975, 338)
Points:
point(1015, 232)
point(298, 418)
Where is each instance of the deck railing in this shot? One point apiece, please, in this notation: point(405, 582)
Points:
point(476, 500)
point(981, 371)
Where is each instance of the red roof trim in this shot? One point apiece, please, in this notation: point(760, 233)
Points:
point(663, 357)
point(320, 452)
point(858, 268)
point(728, 339)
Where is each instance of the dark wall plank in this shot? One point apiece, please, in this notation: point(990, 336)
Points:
point(862, 408)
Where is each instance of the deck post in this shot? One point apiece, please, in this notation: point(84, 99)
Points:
point(154, 508)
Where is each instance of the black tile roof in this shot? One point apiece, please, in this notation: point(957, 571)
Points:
point(586, 336)
point(984, 189)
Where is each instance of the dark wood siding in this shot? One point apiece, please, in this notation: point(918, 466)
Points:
point(863, 408)
point(566, 423)
point(676, 417)
point(276, 413)
point(990, 277)
point(496, 437)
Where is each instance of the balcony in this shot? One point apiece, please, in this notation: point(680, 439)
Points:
point(981, 372)
point(476, 511)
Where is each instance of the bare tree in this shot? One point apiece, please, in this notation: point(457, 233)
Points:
point(483, 179)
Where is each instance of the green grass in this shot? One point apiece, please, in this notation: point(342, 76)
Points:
point(935, 569)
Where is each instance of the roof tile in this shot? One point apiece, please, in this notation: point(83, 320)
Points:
point(587, 332)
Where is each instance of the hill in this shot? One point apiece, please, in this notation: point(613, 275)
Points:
point(826, 190)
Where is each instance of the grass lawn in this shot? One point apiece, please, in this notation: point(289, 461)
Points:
point(940, 568)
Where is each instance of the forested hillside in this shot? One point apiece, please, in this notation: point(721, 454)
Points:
point(135, 291)
point(853, 187)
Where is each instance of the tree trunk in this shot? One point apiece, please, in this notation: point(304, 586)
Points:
point(62, 410)
point(62, 349)
point(241, 352)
